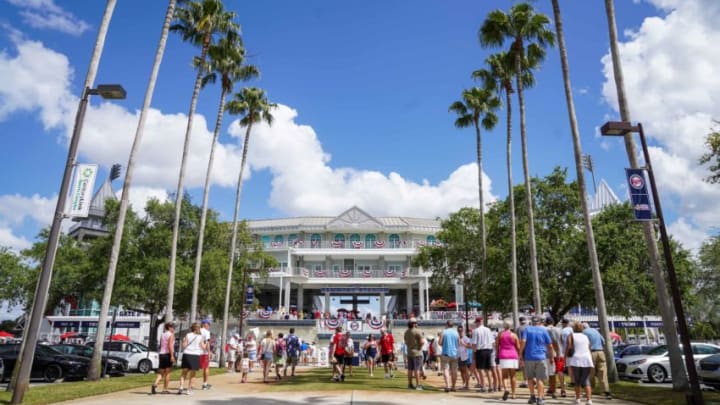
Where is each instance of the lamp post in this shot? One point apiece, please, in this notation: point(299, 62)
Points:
point(108, 91)
point(620, 128)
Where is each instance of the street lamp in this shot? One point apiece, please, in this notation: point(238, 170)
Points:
point(621, 128)
point(108, 91)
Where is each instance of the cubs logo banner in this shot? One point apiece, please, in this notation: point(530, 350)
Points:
point(639, 194)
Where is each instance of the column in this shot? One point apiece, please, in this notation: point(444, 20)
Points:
point(408, 300)
point(382, 304)
point(459, 298)
point(327, 302)
point(280, 294)
point(300, 298)
point(288, 287)
point(421, 297)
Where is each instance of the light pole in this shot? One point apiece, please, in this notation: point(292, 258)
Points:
point(620, 128)
point(107, 91)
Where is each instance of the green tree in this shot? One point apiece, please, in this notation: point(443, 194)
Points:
point(707, 286)
point(16, 279)
point(528, 33)
point(198, 22)
point(478, 106)
point(252, 104)
point(712, 157)
point(226, 63)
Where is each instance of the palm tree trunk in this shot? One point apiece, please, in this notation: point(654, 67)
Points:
point(233, 239)
point(483, 243)
point(181, 181)
point(511, 198)
point(528, 189)
point(94, 372)
point(203, 213)
point(589, 234)
point(677, 369)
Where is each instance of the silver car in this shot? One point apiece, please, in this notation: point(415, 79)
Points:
point(138, 356)
point(709, 371)
point(654, 366)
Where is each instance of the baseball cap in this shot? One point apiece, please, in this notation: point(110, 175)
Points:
point(478, 319)
point(412, 320)
point(536, 319)
point(549, 320)
point(205, 321)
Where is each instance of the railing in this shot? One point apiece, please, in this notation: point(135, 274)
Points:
point(372, 273)
point(331, 244)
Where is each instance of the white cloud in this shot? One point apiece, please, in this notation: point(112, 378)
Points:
point(12, 241)
point(689, 234)
point(45, 14)
point(16, 208)
point(672, 86)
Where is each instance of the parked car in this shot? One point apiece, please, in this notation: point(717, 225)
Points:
point(48, 364)
point(2, 368)
point(631, 350)
point(138, 356)
point(709, 371)
point(116, 366)
point(654, 366)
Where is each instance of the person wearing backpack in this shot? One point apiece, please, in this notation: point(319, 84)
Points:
point(279, 355)
point(349, 351)
point(292, 344)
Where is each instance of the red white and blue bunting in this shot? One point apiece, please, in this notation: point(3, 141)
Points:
point(376, 324)
point(357, 244)
point(345, 273)
point(367, 273)
point(337, 244)
point(379, 244)
point(297, 243)
point(245, 313)
point(276, 244)
point(332, 323)
point(305, 272)
point(390, 273)
point(319, 273)
point(263, 314)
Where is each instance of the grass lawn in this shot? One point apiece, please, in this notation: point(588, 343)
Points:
point(318, 379)
point(648, 394)
point(66, 391)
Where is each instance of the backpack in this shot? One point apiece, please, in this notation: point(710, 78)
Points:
point(280, 348)
point(293, 345)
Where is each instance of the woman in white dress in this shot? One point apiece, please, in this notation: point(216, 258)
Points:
point(579, 357)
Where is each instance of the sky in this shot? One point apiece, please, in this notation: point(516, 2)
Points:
point(363, 90)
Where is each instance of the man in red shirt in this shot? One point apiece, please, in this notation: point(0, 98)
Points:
point(337, 349)
point(387, 352)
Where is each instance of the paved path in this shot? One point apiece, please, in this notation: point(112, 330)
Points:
point(228, 390)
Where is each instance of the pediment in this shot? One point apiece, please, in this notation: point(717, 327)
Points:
point(354, 218)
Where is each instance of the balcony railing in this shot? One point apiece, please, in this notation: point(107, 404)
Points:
point(331, 244)
point(362, 274)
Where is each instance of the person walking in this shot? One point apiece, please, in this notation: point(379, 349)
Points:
point(167, 358)
point(508, 348)
point(205, 357)
point(414, 342)
point(597, 344)
point(523, 325)
point(371, 353)
point(349, 352)
point(387, 352)
point(465, 354)
point(535, 343)
point(251, 348)
point(279, 355)
point(193, 345)
point(449, 341)
point(565, 331)
point(294, 348)
point(337, 350)
point(482, 341)
point(232, 346)
point(555, 336)
point(579, 357)
point(267, 351)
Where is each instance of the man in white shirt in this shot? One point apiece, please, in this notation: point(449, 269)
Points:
point(482, 341)
point(205, 358)
point(232, 352)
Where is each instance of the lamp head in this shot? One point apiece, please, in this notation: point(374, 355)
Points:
point(109, 91)
point(617, 128)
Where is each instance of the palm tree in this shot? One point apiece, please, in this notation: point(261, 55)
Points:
point(252, 104)
point(94, 372)
point(589, 234)
point(197, 22)
point(477, 107)
point(529, 36)
point(225, 63)
point(499, 76)
point(677, 369)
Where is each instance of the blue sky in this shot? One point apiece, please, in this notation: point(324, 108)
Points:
point(364, 90)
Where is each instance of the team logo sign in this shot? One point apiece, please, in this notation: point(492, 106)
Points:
point(636, 182)
point(354, 326)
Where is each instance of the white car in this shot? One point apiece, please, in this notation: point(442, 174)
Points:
point(654, 366)
point(138, 356)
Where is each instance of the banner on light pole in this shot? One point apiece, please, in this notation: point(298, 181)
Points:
point(639, 197)
point(81, 190)
point(249, 295)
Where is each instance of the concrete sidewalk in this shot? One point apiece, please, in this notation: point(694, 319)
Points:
point(228, 390)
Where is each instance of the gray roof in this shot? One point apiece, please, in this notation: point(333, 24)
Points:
point(97, 206)
point(604, 197)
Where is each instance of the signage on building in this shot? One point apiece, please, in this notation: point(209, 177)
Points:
point(249, 295)
point(81, 191)
point(639, 197)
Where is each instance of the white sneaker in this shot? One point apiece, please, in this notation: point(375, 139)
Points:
point(576, 402)
point(589, 402)
point(387, 376)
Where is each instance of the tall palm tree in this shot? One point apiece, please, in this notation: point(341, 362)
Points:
point(677, 369)
point(226, 63)
point(478, 106)
point(579, 169)
point(94, 372)
point(252, 104)
point(499, 76)
point(529, 35)
point(197, 22)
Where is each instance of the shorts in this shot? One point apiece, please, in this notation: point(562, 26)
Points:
point(232, 355)
point(371, 353)
point(387, 358)
point(536, 369)
point(348, 360)
point(483, 359)
point(252, 355)
point(509, 364)
point(204, 361)
point(267, 356)
point(415, 363)
point(291, 360)
point(550, 368)
point(559, 365)
point(581, 376)
point(449, 363)
point(165, 361)
point(340, 358)
point(279, 360)
point(463, 364)
point(191, 361)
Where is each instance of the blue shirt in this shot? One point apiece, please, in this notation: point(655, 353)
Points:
point(596, 339)
point(450, 341)
point(536, 340)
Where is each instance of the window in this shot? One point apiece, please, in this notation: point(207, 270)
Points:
point(394, 240)
point(292, 238)
point(266, 241)
point(315, 240)
point(339, 237)
point(430, 240)
point(370, 241)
